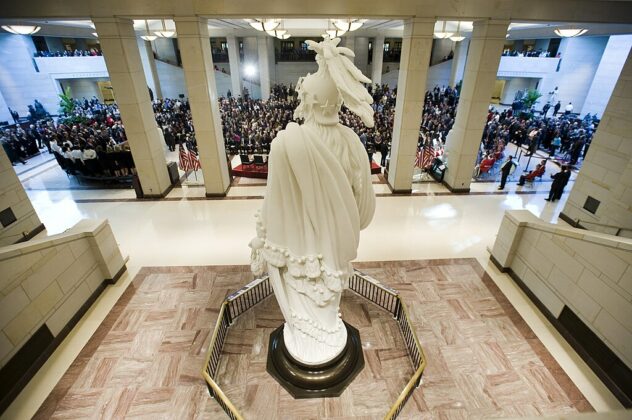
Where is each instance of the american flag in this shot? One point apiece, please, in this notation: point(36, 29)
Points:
point(427, 157)
point(424, 157)
point(194, 160)
point(418, 158)
point(185, 161)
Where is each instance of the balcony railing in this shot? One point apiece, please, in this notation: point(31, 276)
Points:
point(295, 55)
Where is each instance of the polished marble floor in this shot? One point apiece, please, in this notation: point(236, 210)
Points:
point(189, 231)
point(483, 360)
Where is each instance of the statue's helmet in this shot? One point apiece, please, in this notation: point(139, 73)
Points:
point(337, 81)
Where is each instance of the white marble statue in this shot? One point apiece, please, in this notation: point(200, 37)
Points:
point(318, 198)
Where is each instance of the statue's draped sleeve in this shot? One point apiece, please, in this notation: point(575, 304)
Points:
point(312, 213)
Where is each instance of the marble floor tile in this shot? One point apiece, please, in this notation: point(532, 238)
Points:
point(483, 361)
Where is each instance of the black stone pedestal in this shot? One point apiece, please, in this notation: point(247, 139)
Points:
point(315, 381)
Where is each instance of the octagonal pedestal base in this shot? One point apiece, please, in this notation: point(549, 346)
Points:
point(315, 381)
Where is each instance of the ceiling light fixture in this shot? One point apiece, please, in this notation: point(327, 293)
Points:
point(165, 33)
point(458, 37)
point(22, 29)
point(335, 33)
point(147, 36)
point(347, 25)
point(277, 32)
point(570, 33)
point(264, 25)
point(443, 34)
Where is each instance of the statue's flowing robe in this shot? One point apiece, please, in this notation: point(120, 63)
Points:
point(319, 196)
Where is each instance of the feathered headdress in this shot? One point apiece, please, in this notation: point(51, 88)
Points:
point(346, 76)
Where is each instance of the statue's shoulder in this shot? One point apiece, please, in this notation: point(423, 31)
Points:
point(283, 137)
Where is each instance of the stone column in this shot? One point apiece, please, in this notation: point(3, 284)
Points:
point(122, 58)
point(458, 62)
point(251, 57)
point(199, 74)
point(518, 44)
point(263, 46)
point(149, 66)
point(464, 139)
point(606, 173)
point(361, 50)
point(54, 43)
point(13, 199)
point(5, 114)
point(378, 56)
point(349, 42)
point(234, 63)
point(411, 89)
point(542, 44)
point(165, 50)
point(606, 76)
point(272, 60)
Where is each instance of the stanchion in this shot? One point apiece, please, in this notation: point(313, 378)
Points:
point(526, 169)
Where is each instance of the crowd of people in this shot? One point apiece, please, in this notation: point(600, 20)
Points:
point(249, 125)
point(528, 53)
point(95, 147)
point(92, 52)
point(563, 136)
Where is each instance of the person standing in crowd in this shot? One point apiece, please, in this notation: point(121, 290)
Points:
point(560, 180)
point(576, 150)
point(545, 109)
point(568, 109)
point(557, 107)
point(170, 138)
point(384, 152)
point(505, 170)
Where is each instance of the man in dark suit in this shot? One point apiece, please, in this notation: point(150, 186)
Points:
point(170, 138)
point(505, 170)
point(545, 109)
point(560, 180)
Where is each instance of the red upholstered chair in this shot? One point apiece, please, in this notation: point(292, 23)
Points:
point(486, 166)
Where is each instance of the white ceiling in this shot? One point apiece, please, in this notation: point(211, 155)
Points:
point(314, 27)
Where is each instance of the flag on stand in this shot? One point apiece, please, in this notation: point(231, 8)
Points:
point(194, 160)
point(418, 158)
point(427, 157)
point(424, 157)
point(184, 161)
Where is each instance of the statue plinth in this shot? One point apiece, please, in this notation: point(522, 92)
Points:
point(329, 379)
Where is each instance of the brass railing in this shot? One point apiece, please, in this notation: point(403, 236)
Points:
point(389, 300)
point(233, 306)
point(259, 289)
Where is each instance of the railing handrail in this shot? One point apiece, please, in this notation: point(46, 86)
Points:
point(619, 228)
point(227, 314)
point(401, 314)
point(246, 288)
point(220, 318)
point(234, 413)
point(367, 287)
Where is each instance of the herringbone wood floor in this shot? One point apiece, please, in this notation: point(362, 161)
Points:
point(483, 360)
